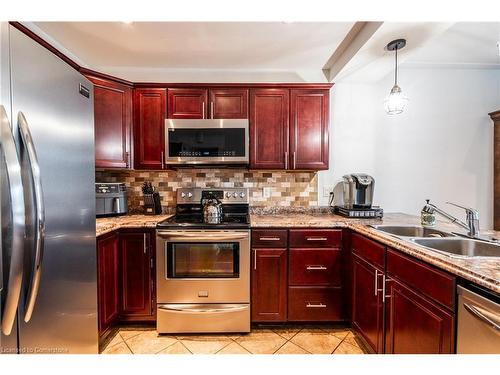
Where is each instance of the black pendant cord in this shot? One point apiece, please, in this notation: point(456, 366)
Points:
point(396, 68)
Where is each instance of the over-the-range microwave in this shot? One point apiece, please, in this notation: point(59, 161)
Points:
point(206, 142)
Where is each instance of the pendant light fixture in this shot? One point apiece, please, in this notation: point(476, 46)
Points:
point(396, 101)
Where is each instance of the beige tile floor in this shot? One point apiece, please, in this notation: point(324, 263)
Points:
point(262, 340)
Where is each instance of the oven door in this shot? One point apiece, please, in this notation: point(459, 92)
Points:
point(206, 142)
point(203, 266)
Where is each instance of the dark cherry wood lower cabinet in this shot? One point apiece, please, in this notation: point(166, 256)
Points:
point(416, 325)
point(107, 281)
point(314, 304)
point(136, 262)
point(367, 305)
point(125, 281)
point(413, 313)
point(269, 285)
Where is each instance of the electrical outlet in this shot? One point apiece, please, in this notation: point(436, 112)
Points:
point(266, 192)
point(327, 190)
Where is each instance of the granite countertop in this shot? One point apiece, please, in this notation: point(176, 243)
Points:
point(109, 224)
point(482, 271)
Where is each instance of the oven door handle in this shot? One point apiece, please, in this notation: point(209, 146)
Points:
point(202, 309)
point(202, 236)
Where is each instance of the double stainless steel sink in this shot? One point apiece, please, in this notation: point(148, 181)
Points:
point(442, 242)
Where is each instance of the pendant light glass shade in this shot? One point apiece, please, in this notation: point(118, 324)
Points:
point(395, 102)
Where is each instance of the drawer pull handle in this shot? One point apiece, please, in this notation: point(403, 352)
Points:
point(316, 268)
point(269, 238)
point(315, 305)
point(316, 238)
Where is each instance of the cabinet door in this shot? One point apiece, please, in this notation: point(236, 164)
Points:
point(187, 103)
point(269, 110)
point(367, 305)
point(229, 103)
point(136, 267)
point(107, 279)
point(112, 124)
point(149, 128)
point(269, 285)
point(415, 324)
point(309, 111)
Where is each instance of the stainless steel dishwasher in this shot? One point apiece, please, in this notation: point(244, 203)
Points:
point(478, 330)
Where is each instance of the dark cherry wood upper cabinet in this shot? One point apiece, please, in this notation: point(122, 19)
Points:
point(367, 304)
point(269, 285)
point(415, 325)
point(107, 280)
point(228, 103)
point(309, 117)
point(136, 280)
point(112, 123)
point(269, 115)
point(187, 103)
point(149, 128)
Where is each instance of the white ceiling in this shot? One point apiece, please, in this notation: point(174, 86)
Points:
point(429, 44)
point(264, 51)
point(373, 61)
point(464, 43)
point(250, 46)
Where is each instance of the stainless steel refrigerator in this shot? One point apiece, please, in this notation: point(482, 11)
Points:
point(48, 254)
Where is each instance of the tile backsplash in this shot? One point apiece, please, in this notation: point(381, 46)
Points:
point(287, 189)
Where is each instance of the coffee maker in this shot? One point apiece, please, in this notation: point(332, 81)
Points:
point(358, 197)
point(358, 190)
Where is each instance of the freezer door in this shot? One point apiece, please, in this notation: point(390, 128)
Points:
point(11, 212)
point(58, 308)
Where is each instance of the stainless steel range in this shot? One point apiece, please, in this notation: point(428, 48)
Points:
point(203, 265)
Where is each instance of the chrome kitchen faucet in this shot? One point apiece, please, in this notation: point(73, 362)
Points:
point(472, 217)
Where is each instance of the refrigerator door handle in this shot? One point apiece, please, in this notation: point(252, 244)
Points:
point(39, 213)
point(16, 196)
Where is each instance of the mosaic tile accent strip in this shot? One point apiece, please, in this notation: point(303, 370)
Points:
point(287, 189)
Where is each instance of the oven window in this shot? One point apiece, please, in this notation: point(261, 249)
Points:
point(203, 260)
point(206, 142)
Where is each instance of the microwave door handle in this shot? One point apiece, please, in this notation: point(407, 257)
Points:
point(39, 214)
point(16, 196)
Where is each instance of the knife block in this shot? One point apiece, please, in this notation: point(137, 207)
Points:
point(152, 204)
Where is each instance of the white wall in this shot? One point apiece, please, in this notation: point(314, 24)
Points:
point(351, 136)
point(440, 148)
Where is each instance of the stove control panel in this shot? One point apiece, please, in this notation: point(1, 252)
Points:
point(225, 195)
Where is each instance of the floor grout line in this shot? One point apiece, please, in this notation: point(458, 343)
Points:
point(190, 352)
point(168, 346)
point(340, 343)
point(301, 347)
point(281, 345)
point(229, 343)
point(129, 348)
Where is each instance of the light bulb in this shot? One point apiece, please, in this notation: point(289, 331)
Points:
point(396, 101)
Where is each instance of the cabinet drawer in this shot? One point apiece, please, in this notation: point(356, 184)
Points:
point(436, 284)
point(315, 238)
point(270, 238)
point(369, 250)
point(315, 267)
point(309, 304)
